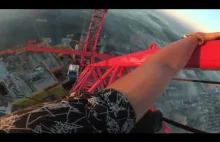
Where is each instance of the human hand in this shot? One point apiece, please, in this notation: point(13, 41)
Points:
point(203, 37)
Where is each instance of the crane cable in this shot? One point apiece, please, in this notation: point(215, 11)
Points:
point(184, 127)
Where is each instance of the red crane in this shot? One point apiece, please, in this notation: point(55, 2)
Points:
point(99, 75)
point(92, 36)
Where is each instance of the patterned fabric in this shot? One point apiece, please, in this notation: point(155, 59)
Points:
point(107, 111)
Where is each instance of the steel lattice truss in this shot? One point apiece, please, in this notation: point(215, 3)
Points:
point(97, 76)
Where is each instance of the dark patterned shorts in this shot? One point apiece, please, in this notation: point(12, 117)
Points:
point(107, 111)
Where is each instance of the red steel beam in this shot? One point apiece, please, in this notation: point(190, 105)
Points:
point(91, 40)
point(129, 60)
point(100, 80)
point(86, 41)
point(82, 80)
point(113, 76)
point(121, 72)
point(11, 51)
point(68, 51)
point(100, 74)
point(97, 32)
point(96, 77)
point(206, 57)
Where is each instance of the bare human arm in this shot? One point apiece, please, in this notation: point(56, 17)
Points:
point(148, 82)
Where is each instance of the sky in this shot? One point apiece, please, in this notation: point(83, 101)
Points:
point(200, 19)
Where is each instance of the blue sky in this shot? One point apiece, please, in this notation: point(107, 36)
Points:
point(200, 19)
